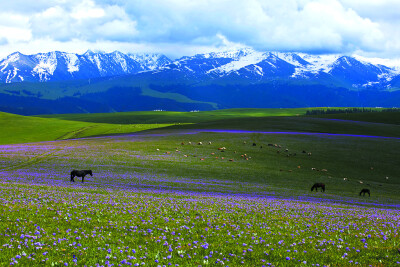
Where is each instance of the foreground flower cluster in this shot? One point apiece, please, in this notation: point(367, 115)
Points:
point(97, 227)
point(148, 204)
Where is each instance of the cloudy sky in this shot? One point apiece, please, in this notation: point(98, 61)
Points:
point(185, 27)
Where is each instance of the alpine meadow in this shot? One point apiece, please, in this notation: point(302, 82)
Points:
point(200, 133)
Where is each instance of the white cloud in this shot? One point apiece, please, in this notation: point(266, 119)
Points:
point(87, 9)
point(316, 26)
point(86, 21)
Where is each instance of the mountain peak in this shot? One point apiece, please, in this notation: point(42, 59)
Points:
point(56, 65)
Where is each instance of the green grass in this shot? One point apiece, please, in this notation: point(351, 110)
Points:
point(178, 117)
point(146, 192)
point(378, 117)
point(299, 124)
point(149, 189)
point(22, 129)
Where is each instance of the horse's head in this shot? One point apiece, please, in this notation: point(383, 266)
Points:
point(90, 172)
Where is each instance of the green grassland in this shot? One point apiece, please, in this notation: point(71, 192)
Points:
point(381, 117)
point(177, 117)
point(21, 129)
point(160, 198)
point(149, 189)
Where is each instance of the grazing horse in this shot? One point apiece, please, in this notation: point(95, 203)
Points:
point(365, 190)
point(316, 185)
point(81, 173)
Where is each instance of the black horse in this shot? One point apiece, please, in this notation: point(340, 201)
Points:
point(81, 173)
point(316, 185)
point(365, 190)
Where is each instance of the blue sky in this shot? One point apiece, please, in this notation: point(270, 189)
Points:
point(186, 27)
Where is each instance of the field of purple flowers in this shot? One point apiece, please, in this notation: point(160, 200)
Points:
point(138, 210)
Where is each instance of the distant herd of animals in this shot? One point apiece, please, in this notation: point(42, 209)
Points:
point(83, 173)
point(322, 186)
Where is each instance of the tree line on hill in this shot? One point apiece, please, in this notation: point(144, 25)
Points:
point(349, 110)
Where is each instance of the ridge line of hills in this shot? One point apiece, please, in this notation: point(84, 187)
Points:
point(59, 82)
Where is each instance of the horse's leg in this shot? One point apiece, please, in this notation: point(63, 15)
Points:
point(83, 177)
point(72, 178)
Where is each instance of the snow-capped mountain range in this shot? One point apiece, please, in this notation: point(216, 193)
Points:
point(246, 65)
point(108, 82)
point(56, 66)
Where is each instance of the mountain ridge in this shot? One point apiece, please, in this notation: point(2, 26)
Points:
point(58, 66)
point(232, 79)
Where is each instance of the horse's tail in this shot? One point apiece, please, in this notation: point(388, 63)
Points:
point(360, 192)
point(312, 188)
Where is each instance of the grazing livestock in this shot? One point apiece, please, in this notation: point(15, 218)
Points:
point(81, 173)
point(254, 144)
point(309, 153)
point(316, 185)
point(200, 143)
point(365, 190)
point(270, 144)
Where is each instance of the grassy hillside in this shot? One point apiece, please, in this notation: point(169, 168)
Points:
point(22, 129)
point(180, 199)
point(299, 124)
point(202, 116)
point(178, 117)
point(381, 117)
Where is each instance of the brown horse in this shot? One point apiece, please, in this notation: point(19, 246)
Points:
point(81, 173)
point(316, 185)
point(365, 190)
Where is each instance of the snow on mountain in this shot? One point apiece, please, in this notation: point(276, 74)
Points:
point(56, 66)
point(241, 61)
point(73, 62)
point(150, 61)
point(47, 64)
point(245, 65)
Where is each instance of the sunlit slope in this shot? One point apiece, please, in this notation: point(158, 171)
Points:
point(178, 117)
point(22, 129)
